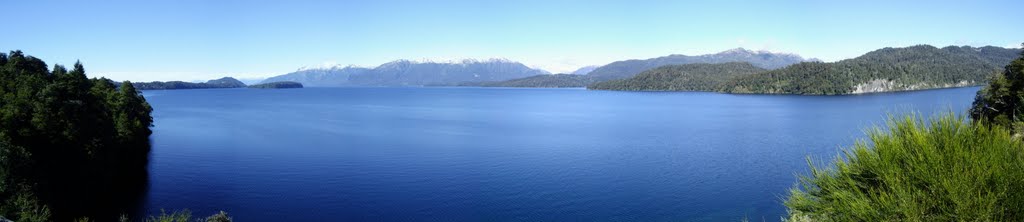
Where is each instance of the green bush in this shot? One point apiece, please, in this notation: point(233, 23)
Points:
point(942, 169)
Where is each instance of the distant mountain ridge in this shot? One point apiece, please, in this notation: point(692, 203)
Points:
point(584, 70)
point(318, 77)
point(762, 59)
point(883, 70)
point(412, 73)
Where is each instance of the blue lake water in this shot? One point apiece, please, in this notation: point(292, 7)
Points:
point(494, 154)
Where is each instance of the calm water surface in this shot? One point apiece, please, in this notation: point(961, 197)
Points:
point(491, 154)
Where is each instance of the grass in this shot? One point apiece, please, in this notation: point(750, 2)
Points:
point(945, 168)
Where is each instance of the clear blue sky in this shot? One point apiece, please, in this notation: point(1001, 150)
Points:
point(203, 39)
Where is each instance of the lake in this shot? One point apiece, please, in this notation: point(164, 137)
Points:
point(498, 154)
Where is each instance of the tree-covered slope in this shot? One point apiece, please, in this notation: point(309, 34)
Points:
point(226, 82)
point(277, 85)
point(540, 81)
point(883, 70)
point(69, 146)
point(629, 68)
point(689, 77)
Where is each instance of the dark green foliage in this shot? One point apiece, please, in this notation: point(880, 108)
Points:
point(689, 77)
point(69, 146)
point(540, 81)
point(277, 85)
point(226, 82)
point(1002, 101)
point(945, 169)
point(891, 69)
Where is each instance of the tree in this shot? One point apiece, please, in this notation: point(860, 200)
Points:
point(1002, 101)
point(70, 146)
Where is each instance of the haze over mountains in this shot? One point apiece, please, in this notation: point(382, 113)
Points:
point(468, 72)
point(763, 59)
point(584, 70)
point(319, 77)
point(411, 73)
point(883, 70)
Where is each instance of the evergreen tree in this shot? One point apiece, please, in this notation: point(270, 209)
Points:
point(70, 147)
point(1001, 101)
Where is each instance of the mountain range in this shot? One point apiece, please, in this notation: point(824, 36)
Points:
point(320, 77)
point(411, 73)
point(475, 72)
point(762, 59)
point(742, 71)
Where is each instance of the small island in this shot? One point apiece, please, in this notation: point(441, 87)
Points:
point(277, 85)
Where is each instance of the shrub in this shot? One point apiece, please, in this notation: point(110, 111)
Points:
point(942, 169)
point(219, 217)
point(176, 216)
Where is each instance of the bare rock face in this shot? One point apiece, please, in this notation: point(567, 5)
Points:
point(885, 85)
point(877, 85)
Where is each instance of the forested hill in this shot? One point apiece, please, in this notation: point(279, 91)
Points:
point(277, 85)
point(883, 70)
point(540, 81)
point(70, 146)
point(689, 77)
point(629, 68)
point(226, 82)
